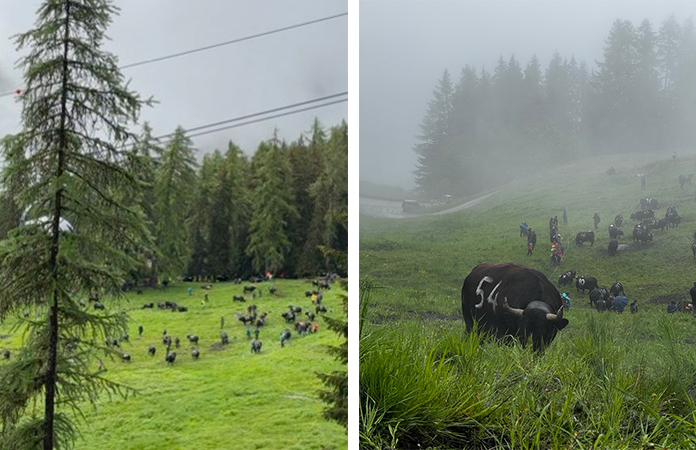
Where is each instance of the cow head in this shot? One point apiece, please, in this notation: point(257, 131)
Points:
point(537, 320)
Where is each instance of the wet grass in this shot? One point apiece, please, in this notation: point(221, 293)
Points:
point(229, 398)
point(609, 381)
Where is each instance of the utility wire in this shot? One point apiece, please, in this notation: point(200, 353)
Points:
point(221, 44)
point(261, 113)
point(261, 119)
point(234, 41)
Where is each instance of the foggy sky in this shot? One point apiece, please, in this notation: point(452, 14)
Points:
point(218, 84)
point(405, 46)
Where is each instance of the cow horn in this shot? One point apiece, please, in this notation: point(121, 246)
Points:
point(557, 316)
point(509, 309)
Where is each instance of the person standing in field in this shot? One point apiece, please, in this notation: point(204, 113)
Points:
point(565, 216)
point(596, 220)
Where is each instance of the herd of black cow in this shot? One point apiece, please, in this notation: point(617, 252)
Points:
point(512, 300)
point(249, 318)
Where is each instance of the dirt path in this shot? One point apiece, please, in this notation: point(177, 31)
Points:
point(389, 209)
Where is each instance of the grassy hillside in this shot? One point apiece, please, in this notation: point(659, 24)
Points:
point(610, 381)
point(229, 398)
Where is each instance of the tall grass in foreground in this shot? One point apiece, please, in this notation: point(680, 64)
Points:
point(437, 386)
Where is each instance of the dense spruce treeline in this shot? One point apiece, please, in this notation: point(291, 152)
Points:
point(488, 128)
point(232, 216)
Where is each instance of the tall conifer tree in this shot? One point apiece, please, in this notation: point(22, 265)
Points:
point(77, 236)
point(175, 184)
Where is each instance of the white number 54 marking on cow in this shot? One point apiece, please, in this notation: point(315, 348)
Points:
point(492, 300)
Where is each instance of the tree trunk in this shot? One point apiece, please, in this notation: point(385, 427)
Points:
point(51, 372)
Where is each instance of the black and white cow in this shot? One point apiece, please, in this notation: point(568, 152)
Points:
point(640, 215)
point(599, 293)
point(566, 278)
point(640, 233)
point(647, 203)
point(616, 288)
point(585, 236)
point(513, 300)
point(614, 232)
point(618, 220)
point(588, 283)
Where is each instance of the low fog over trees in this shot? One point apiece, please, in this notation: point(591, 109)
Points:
point(487, 128)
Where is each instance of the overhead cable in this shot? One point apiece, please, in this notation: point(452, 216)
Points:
point(234, 41)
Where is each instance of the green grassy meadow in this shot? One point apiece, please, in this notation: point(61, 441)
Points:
point(609, 381)
point(229, 398)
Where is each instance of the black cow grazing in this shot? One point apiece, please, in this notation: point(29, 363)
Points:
point(618, 220)
point(585, 236)
point(161, 305)
point(151, 350)
point(616, 288)
point(634, 307)
point(239, 298)
point(251, 309)
point(310, 315)
point(295, 309)
point(195, 353)
point(324, 284)
point(566, 278)
point(640, 215)
point(182, 309)
point(125, 357)
point(272, 289)
point(320, 309)
point(98, 306)
point(614, 232)
point(640, 233)
point(125, 338)
point(148, 306)
point(510, 299)
point(671, 212)
point(193, 339)
point(588, 283)
point(167, 340)
point(613, 247)
point(599, 293)
point(140, 330)
point(289, 316)
point(249, 289)
point(223, 337)
point(256, 346)
point(310, 293)
point(170, 358)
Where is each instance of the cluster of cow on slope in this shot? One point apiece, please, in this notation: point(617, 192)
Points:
point(302, 327)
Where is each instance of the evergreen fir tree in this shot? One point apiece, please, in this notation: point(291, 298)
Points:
point(174, 186)
point(240, 209)
point(272, 208)
point(12, 183)
point(76, 235)
point(434, 133)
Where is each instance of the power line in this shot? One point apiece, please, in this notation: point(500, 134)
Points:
point(208, 47)
point(261, 119)
point(234, 41)
point(261, 113)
